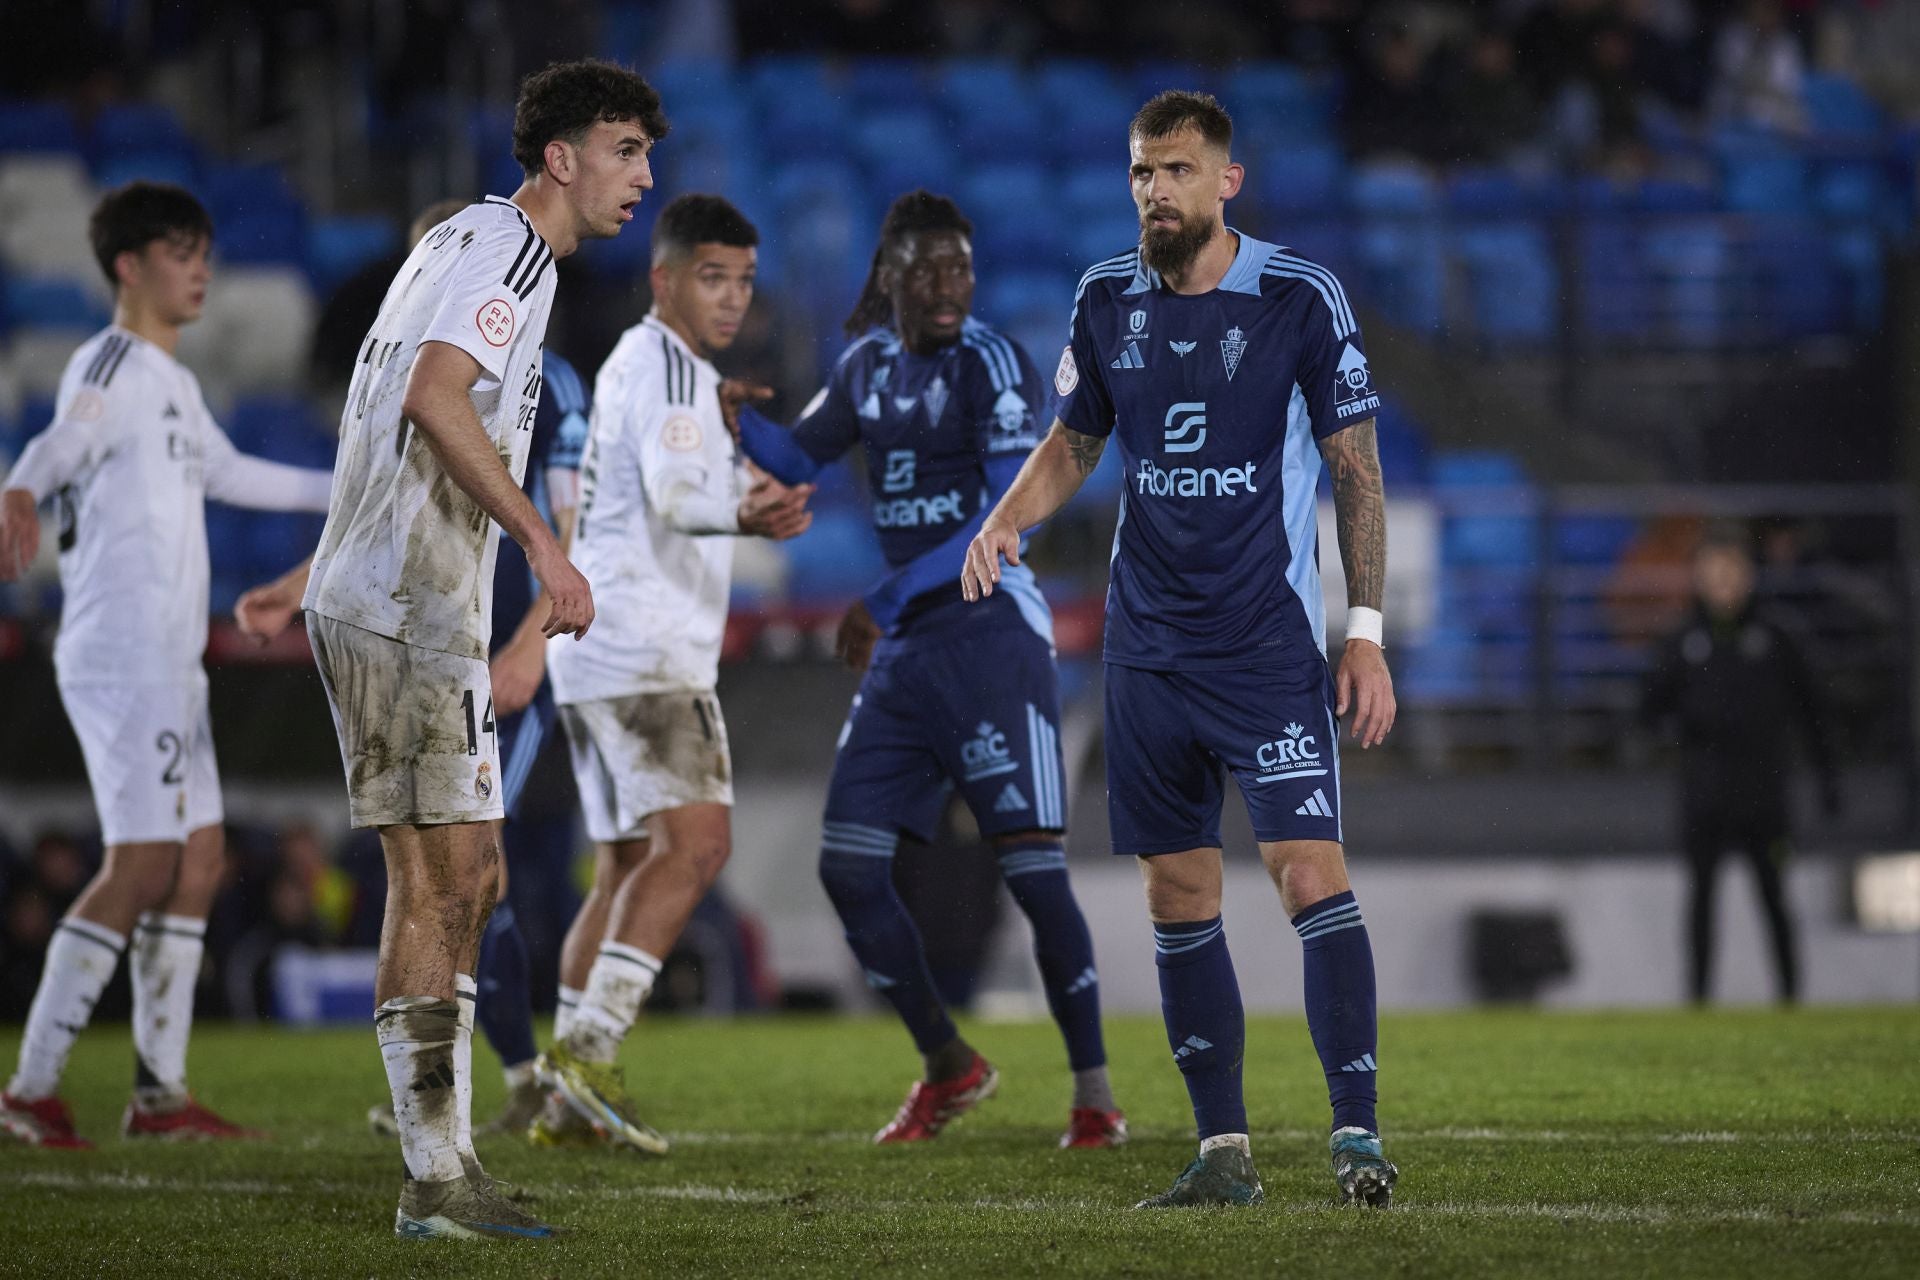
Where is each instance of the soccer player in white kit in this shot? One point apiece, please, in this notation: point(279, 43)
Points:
point(132, 456)
point(662, 497)
point(433, 443)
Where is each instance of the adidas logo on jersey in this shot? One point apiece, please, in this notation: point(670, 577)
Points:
point(172, 410)
point(1011, 801)
point(1130, 358)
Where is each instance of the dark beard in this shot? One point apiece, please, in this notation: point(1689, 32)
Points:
point(1171, 253)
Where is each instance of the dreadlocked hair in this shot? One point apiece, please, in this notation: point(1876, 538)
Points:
point(913, 212)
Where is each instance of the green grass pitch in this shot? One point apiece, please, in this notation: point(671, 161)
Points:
point(1743, 1143)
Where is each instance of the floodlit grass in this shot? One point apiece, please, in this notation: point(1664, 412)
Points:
point(1748, 1143)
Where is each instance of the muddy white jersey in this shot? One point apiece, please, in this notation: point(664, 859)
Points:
point(130, 459)
point(406, 553)
point(660, 491)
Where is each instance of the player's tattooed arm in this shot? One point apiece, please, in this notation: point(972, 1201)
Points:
point(1360, 511)
point(1085, 450)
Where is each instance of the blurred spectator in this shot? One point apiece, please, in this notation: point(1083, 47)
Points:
point(1759, 71)
point(1492, 111)
point(37, 893)
point(1397, 110)
point(1736, 682)
point(1596, 113)
point(1554, 42)
point(1320, 34)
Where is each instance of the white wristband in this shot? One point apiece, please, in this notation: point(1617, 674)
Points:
point(1366, 624)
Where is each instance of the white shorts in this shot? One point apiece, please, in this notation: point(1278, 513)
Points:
point(643, 754)
point(149, 753)
point(416, 728)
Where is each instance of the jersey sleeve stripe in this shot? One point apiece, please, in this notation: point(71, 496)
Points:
point(1340, 328)
point(106, 376)
point(526, 247)
point(995, 355)
point(1300, 268)
point(535, 269)
point(104, 359)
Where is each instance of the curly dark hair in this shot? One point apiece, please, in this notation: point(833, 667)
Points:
point(564, 100)
point(919, 210)
point(134, 216)
point(1176, 109)
point(700, 219)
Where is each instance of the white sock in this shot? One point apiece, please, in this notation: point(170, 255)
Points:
point(465, 992)
point(619, 981)
point(164, 963)
point(1218, 1140)
point(80, 961)
point(570, 998)
point(417, 1036)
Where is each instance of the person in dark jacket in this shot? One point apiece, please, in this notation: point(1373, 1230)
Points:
point(1736, 681)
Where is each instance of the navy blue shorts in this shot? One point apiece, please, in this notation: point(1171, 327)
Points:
point(521, 736)
point(981, 713)
point(1172, 735)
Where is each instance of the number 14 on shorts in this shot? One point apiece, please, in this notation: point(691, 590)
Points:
point(484, 725)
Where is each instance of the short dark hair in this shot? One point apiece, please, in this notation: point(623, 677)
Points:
point(132, 217)
point(917, 210)
point(696, 219)
point(1168, 112)
point(564, 100)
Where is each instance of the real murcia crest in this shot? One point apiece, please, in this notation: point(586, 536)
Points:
point(1232, 347)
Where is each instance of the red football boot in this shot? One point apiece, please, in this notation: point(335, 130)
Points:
point(190, 1123)
point(46, 1122)
point(929, 1108)
point(1092, 1127)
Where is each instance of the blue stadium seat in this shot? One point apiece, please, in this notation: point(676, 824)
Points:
point(1093, 190)
point(44, 303)
point(1859, 257)
point(1006, 297)
point(996, 116)
point(627, 33)
point(1693, 269)
point(1278, 101)
point(1797, 288)
point(1855, 191)
point(1086, 112)
point(340, 245)
point(256, 215)
point(37, 126)
point(1615, 291)
point(1498, 193)
point(138, 126)
point(1839, 108)
point(885, 84)
point(1009, 206)
point(1760, 173)
point(1512, 284)
point(904, 148)
point(692, 89)
point(1402, 271)
point(1302, 177)
point(1593, 539)
point(801, 115)
point(1404, 190)
point(1096, 239)
point(181, 169)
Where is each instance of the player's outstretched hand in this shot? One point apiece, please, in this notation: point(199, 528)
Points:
point(1366, 686)
point(516, 672)
point(858, 631)
point(775, 510)
point(735, 392)
point(264, 612)
point(994, 543)
point(567, 587)
point(19, 533)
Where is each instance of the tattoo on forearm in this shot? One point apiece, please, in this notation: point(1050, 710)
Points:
point(1360, 511)
point(1085, 450)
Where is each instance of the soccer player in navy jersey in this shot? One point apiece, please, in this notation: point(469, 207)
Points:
point(954, 695)
point(523, 710)
point(1228, 369)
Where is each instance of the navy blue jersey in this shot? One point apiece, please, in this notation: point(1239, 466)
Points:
point(559, 439)
point(943, 435)
point(1217, 401)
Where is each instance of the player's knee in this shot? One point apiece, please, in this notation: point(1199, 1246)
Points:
point(855, 881)
point(705, 859)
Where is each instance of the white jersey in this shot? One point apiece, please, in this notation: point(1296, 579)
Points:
point(660, 491)
point(132, 456)
point(406, 553)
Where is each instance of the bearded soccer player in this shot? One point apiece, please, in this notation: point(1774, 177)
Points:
point(523, 707)
point(662, 499)
point(953, 696)
point(433, 443)
point(132, 456)
point(1229, 370)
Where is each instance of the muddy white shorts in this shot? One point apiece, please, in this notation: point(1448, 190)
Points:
point(149, 754)
point(416, 728)
point(643, 754)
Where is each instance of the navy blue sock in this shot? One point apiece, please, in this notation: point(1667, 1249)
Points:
point(1036, 874)
point(1340, 1006)
point(505, 1007)
point(856, 867)
point(1206, 1027)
